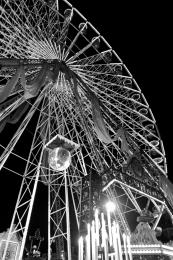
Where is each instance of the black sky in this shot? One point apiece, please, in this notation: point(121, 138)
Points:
point(140, 33)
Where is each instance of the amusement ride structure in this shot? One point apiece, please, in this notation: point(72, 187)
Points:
point(92, 136)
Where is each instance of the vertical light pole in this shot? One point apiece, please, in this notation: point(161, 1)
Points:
point(110, 207)
point(88, 242)
point(93, 241)
point(67, 217)
point(97, 226)
point(119, 242)
point(104, 237)
point(49, 217)
point(80, 250)
point(125, 246)
point(115, 243)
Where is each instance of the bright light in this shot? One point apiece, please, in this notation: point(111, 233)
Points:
point(110, 206)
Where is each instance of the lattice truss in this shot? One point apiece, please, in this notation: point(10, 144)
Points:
point(73, 67)
point(130, 203)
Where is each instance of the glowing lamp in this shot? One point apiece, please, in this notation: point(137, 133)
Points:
point(110, 206)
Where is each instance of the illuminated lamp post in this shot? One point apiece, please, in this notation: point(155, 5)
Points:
point(110, 207)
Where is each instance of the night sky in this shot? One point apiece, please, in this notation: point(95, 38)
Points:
point(141, 36)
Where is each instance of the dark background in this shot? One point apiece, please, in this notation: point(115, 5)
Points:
point(141, 36)
point(140, 33)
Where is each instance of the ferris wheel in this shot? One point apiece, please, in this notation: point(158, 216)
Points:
point(64, 86)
